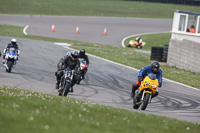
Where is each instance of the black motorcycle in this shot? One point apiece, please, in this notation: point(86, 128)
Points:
point(66, 81)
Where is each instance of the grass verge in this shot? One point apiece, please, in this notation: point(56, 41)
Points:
point(25, 111)
point(152, 40)
point(124, 56)
point(113, 8)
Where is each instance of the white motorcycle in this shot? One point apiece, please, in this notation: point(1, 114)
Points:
point(10, 59)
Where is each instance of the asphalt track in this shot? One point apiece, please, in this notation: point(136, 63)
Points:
point(90, 28)
point(106, 83)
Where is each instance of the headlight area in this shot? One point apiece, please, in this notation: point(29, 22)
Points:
point(147, 83)
point(154, 86)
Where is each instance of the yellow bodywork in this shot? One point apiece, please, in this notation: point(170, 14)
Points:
point(148, 83)
point(134, 43)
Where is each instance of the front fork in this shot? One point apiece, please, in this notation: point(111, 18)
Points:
point(145, 91)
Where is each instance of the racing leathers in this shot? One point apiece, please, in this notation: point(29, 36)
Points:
point(139, 40)
point(66, 62)
point(142, 74)
point(85, 57)
point(8, 46)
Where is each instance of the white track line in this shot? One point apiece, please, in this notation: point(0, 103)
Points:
point(137, 70)
point(24, 30)
point(122, 43)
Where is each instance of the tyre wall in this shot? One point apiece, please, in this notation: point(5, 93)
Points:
point(183, 2)
point(159, 53)
point(184, 54)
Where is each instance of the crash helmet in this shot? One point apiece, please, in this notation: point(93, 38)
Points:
point(82, 53)
point(13, 41)
point(155, 66)
point(74, 54)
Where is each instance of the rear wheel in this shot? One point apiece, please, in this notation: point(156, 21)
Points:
point(146, 101)
point(135, 106)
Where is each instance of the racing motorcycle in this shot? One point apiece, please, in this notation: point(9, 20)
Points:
point(134, 44)
point(66, 81)
point(10, 59)
point(145, 92)
point(81, 70)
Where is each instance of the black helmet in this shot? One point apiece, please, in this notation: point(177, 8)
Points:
point(13, 41)
point(74, 54)
point(155, 66)
point(82, 52)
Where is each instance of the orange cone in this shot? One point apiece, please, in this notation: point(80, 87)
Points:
point(77, 29)
point(105, 31)
point(52, 28)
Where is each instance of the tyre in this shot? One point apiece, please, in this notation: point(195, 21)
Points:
point(135, 106)
point(146, 101)
point(10, 65)
point(66, 89)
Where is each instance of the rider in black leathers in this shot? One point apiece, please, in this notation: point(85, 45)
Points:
point(69, 61)
point(85, 57)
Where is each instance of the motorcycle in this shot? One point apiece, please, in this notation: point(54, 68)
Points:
point(145, 92)
point(81, 70)
point(66, 81)
point(10, 59)
point(134, 44)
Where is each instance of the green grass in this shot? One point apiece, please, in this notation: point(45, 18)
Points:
point(30, 112)
point(126, 56)
point(113, 8)
point(152, 40)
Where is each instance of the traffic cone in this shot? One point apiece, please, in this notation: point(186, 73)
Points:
point(77, 29)
point(52, 28)
point(105, 31)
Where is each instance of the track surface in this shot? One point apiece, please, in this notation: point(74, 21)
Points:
point(90, 28)
point(106, 83)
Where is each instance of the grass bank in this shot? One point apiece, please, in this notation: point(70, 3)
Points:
point(126, 56)
point(113, 8)
point(152, 40)
point(25, 111)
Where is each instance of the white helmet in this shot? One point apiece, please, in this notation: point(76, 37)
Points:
point(13, 41)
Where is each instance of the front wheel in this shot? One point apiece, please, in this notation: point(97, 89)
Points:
point(10, 65)
point(146, 101)
point(66, 89)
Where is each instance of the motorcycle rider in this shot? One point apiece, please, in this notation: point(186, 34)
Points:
point(69, 61)
point(61, 61)
point(85, 57)
point(12, 44)
point(154, 68)
point(139, 40)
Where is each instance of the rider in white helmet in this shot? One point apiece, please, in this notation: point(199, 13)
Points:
point(12, 44)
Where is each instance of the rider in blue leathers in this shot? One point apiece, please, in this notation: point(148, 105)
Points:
point(154, 68)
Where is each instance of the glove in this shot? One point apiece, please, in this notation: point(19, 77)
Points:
point(140, 78)
point(160, 84)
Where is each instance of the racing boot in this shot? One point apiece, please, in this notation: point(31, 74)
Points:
point(134, 88)
point(57, 85)
point(59, 92)
point(72, 84)
point(154, 95)
point(72, 89)
point(83, 76)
